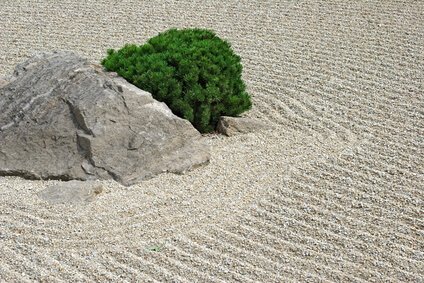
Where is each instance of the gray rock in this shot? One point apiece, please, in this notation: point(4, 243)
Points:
point(231, 126)
point(63, 118)
point(72, 192)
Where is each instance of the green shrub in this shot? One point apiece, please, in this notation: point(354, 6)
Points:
point(192, 70)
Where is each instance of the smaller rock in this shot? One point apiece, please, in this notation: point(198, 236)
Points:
point(3, 81)
point(231, 126)
point(71, 192)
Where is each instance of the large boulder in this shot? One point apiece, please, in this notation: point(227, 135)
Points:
point(64, 118)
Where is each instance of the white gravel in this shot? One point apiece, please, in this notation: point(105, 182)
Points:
point(334, 193)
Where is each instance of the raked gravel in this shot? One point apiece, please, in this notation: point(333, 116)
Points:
point(333, 193)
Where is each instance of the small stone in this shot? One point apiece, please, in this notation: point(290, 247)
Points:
point(231, 126)
point(3, 82)
point(71, 192)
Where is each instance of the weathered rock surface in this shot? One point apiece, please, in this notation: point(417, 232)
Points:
point(231, 126)
point(72, 192)
point(62, 118)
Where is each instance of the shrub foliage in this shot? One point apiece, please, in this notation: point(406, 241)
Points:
point(192, 70)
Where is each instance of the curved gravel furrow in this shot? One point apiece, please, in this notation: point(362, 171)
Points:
point(356, 214)
point(220, 258)
point(9, 273)
point(87, 266)
point(393, 162)
point(23, 262)
point(342, 185)
point(359, 101)
point(215, 271)
point(186, 264)
point(124, 270)
point(211, 246)
point(296, 118)
point(396, 264)
point(367, 79)
point(358, 208)
point(334, 47)
point(376, 175)
point(314, 197)
point(304, 113)
point(182, 250)
point(320, 245)
point(333, 192)
point(57, 270)
point(336, 262)
point(357, 105)
point(360, 237)
point(364, 123)
point(243, 244)
point(136, 266)
point(160, 272)
point(314, 112)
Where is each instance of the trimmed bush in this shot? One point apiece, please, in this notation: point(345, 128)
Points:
point(192, 70)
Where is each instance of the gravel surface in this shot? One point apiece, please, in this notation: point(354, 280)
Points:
point(334, 193)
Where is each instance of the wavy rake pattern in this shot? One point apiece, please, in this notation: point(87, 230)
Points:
point(346, 77)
